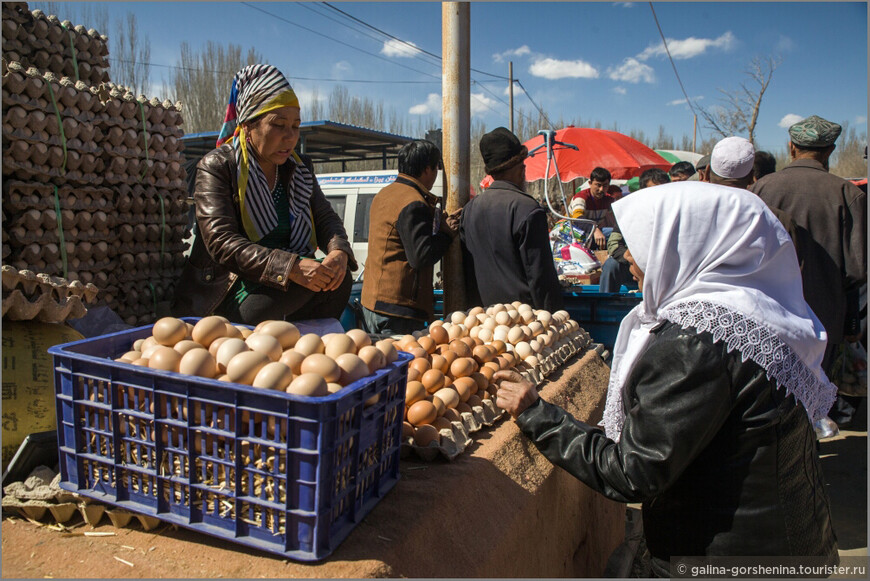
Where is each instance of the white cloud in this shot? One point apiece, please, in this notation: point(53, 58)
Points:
point(860, 120)
point(689, 47)
point(480, 103)
point(516, 52)
point(789, 120)
point(400, 49)
point(432, 105)
point(518, 90)
point(619, 90)
point(683, 101)
point(555, 69)
point(784, 44)
point(340, 68)
point(624, 4)
point(632, 71)
point(308, 96)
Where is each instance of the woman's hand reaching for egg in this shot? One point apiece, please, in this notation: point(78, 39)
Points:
point(515, 394)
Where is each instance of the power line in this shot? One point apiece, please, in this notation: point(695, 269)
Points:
point(674, 66)
point(541, 111)
point(282, 19)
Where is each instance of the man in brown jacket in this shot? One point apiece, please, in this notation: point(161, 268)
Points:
point(408, 234)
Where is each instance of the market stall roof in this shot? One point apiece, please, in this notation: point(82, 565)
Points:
point(323, 141)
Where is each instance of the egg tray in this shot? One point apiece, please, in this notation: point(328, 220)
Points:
point(282, 473)
point(455, 440)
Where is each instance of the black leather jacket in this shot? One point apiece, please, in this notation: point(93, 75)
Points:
point(222, 251)
point(723, 461)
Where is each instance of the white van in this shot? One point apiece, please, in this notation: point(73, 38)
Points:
point(351, 196)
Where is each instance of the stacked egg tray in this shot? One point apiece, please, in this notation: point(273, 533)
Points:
point(94, 185)
point(28, 296)
point(287, 474)
point(451, 393)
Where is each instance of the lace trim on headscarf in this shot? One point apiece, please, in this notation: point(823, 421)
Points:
point(755, 342)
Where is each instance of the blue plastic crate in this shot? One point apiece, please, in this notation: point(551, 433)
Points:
point(286, 474)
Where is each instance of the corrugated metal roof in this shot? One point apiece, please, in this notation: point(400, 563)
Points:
point(323, 141)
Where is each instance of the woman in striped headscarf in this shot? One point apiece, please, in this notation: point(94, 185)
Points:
point(261, 215)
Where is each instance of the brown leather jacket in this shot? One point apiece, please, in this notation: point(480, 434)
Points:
point(222, 252)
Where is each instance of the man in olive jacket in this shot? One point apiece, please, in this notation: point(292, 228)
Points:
point(832, 212)
point(408, 234)
point(505, 232)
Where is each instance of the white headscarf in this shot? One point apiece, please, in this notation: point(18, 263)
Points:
point(716, 259)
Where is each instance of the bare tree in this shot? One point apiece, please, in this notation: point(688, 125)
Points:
point(848, 159)
point(202, 82)
point(740, 108)
point(131, 64)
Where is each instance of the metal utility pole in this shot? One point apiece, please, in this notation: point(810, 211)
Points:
point(456, 116)
point(511, 92)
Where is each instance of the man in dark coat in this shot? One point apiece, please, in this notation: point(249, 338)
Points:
point(833, 214)
point(505, 232)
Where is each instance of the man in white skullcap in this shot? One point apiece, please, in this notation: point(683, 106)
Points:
point(731, 163)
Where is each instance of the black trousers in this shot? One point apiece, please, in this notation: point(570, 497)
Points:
point(294, 304)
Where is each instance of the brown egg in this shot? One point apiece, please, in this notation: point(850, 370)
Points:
point(360, 338)
point(440, 363)
point(243, 368)
point(421, 364)
point(465, 386)
point(460, 348)
point(338, 344)
point(480, 379)
point(352, 368)
point(130, 356)
point(487, 372)
point(427, 343)
point(334, 387)
point(425, 435)
point(422, 412)
point(266, 344)
point(245, 331)
point(414, 392)
point(149, 343)
point(452, 415)
point(189, 330)
point(293, 359)
point(372, 357)
point(233, 332)
point(308, 384)
point(432, 380)
point(482, 354)
point(499, 347)
point(186, 345)
point(469, 341)
point(208, 329)
point(198, 362)
point(322, 365)
point(493, 365)
point(462, 367)
point(413, 374)
point(228, 349)
point(273, 375)
point(215, 345)
point(417, 352)
point(438, 334)
point(449, 357)
point(141, 362)
point(442, 423)
point(470, 322)
point(388, 349)
point(169, 331)
point(165, 358)
point(439, 406)
point(448, 396)
point(309, 343)
point(286, 332)
point(137, 344)
point(474, 401)
point(407, 430)
point(456, 332)
point(463, 408)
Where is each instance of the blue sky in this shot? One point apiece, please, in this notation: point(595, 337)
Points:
point(600, 61)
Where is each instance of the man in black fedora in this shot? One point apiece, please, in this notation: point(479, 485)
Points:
point(504, 231)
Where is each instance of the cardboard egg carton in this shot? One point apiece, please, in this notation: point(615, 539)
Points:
point(455, 440)
point(50, 299)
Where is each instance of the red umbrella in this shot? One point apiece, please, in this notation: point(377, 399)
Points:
point(623, 156)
